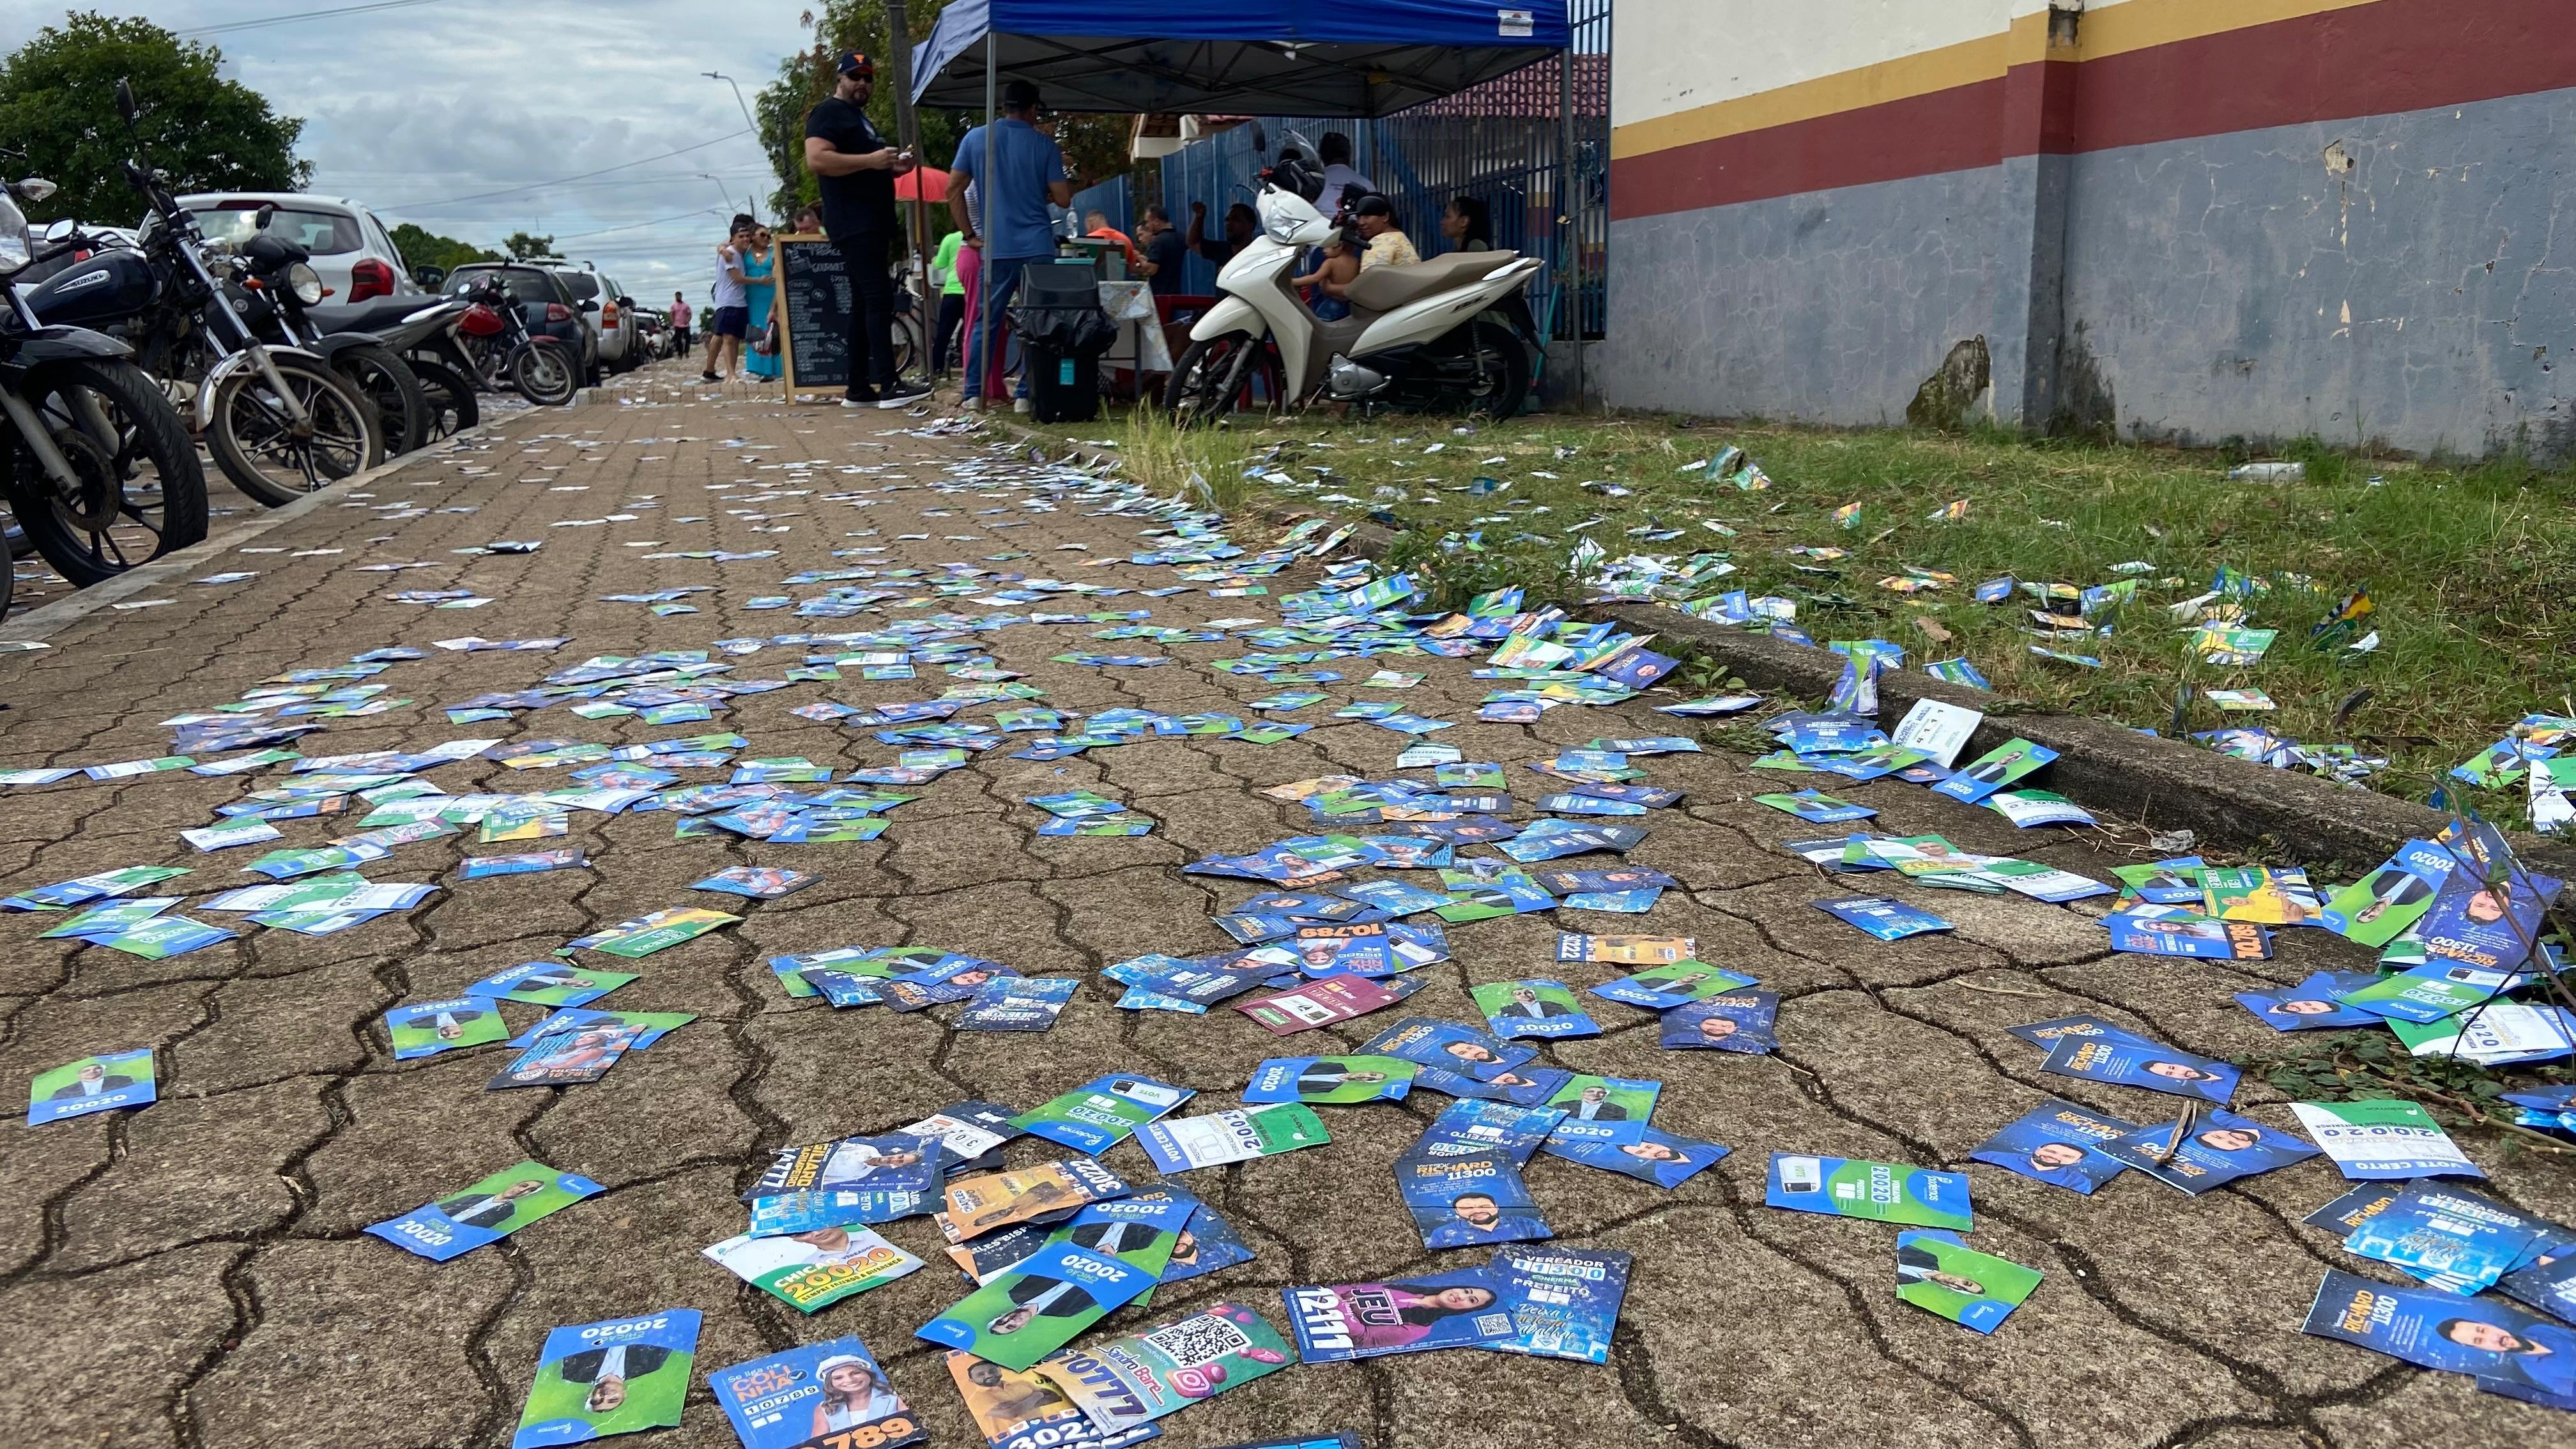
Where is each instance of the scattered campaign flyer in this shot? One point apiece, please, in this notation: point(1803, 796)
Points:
point(981, 1204)
point(2129, 1062)
point(1339, 1080)
point(2488, 925)
point(828, 1395)
point(1563, 1301)
point(1018, 1409)
point(1538, 1009)
point(2312, 1004)
point(893, 1170)
point(1035, 1308)
point(2379, 907)
point(2387, 1139)
point(1993, 770)
point(1018, 1003)
point(1124, 1383)
point(1344, 1321)
point(1605, 1099)
point(484, 867)
point(814, 1268)
point(1663, 988)
point(1103, 1112)
point(1467, 1127)
point(647, 934)
point(1468, 1200)
point(2206, 1150)
point(1937, 730)
point(1238, 1134)
point(1450, 1046)
point(583, 1054)
point(550, 983)
point(485, 1211)
point(92, 1084)
point(1634, 1149)
point(1817, 807)
point(615, 1377)
point(1739, 1021)
point(1624, 950)
point(1337, 998)
point(2055, 1143)
point(756, 882)
point(1887, 1192)
point(426, 1028)
point(2432, 1329)
point(1886, 919)
point(1939, 1274)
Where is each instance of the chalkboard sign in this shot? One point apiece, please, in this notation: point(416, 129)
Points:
point(813, 314)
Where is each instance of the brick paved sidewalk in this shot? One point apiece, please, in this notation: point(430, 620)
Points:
point(194, 1273)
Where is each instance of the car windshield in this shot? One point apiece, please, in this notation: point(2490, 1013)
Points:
point(322, 233)
point(524, 285)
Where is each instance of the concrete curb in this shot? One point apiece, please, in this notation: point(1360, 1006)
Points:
point(39, 624)
point(2169, 784)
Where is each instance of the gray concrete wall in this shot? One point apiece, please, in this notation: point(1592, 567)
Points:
point(2421, 296)
point(1827, 307)
point(2420, 290)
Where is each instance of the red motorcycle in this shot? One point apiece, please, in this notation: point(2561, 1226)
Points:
point(504, 350)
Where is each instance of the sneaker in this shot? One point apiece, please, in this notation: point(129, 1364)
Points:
point(708, 377)
point(1022, 406)
point(860, 397)
point(901, 395)
point(972, 405)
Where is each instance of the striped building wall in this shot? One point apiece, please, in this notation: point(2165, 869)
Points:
point(2183, 219)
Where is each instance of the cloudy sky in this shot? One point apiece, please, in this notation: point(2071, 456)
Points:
point(423, 110)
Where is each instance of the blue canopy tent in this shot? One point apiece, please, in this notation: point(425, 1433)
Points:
point(1360, 58)
point(1238, 57)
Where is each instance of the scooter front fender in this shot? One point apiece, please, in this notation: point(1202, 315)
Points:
point(1231, 314)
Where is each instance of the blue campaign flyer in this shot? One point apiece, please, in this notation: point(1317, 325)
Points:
point(484, 1212)
point(617, 1377)
point(2489, 926)
point(1449, 1046)
point(1461, 1202)
point(2054, 1143)
point(810, 1394)
point(1939, 1274)
point(1538, 1008)
point(2311, 1004)
point(1886, 919)
point(426, 1028)
point(1336, 1322)
point(1468, 1126)
point(1887, 1192)
point(1634, 1149)
point(2206, 1151)
point(1993, 770)
point(1103, 1112)
point(1678, 983)
point(1563, 1301)
point(1586, 1099)
point(2377, 908)
point(1739, 1021)
point(92, 1084)
point(2437, 1330)
point(2128, 1062)
point(2044, 1034)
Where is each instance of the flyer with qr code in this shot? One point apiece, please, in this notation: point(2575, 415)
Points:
point(1135, 1378)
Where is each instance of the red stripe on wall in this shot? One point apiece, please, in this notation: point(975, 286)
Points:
point(2397, 55)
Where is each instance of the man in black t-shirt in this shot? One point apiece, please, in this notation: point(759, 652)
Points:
point(1164, 250)
point(856, 170)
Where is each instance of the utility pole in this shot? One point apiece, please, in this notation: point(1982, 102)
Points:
point(907, 130)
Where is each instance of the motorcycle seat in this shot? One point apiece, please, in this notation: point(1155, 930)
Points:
point(1383, 289)
point(379, 315)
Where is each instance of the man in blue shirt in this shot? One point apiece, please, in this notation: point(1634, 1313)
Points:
point(1028, 176)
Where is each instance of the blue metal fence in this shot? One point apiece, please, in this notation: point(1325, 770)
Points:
point(1503, 142)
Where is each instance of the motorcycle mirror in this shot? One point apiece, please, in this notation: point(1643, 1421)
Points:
point(60, 230)
point(1260, 140)
point(267, 213)
point(125, 102)
point(429, 278)
point(37, 188)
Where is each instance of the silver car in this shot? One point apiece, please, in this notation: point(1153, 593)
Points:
point(610, 310)
point(351, 249)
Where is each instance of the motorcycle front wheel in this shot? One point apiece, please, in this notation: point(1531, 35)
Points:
point(452, 408)
point(259, 445)
point(1218, 376)
point(392, 388)
point(543, 375)
point(140, 491)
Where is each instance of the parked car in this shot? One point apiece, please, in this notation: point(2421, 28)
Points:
point(354, 254)
point(546, 301)
point(611, 308)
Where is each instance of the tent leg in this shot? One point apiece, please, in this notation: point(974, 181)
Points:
point(985, 321)
point(1569, 220)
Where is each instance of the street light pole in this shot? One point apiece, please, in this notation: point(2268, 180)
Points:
point(747, 119)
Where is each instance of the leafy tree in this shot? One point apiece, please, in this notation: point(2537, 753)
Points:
point(422, 247)
point(523, 246)
point(58, 106)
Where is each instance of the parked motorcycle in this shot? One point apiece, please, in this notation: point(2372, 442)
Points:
point(1452, 333)
point(281, 297)
point(278, 420)
point(96, 464)
point(507, 353)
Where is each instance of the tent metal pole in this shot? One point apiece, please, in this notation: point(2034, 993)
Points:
point(984, 321)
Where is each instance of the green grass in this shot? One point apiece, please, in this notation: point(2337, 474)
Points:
point(2473, 570)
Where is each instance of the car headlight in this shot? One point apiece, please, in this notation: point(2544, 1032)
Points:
point(305, 283)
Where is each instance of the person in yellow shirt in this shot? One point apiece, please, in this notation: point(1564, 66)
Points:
point(1388, 246)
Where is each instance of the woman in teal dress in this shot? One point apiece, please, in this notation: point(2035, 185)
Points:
point(757, 266)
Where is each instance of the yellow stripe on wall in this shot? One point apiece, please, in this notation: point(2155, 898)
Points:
point(2118, 30)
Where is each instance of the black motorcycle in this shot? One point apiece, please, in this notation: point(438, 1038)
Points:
point(277, 292)
point(278, 420)
point(96, 464)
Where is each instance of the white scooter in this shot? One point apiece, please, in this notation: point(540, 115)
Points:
point(1450, 333)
